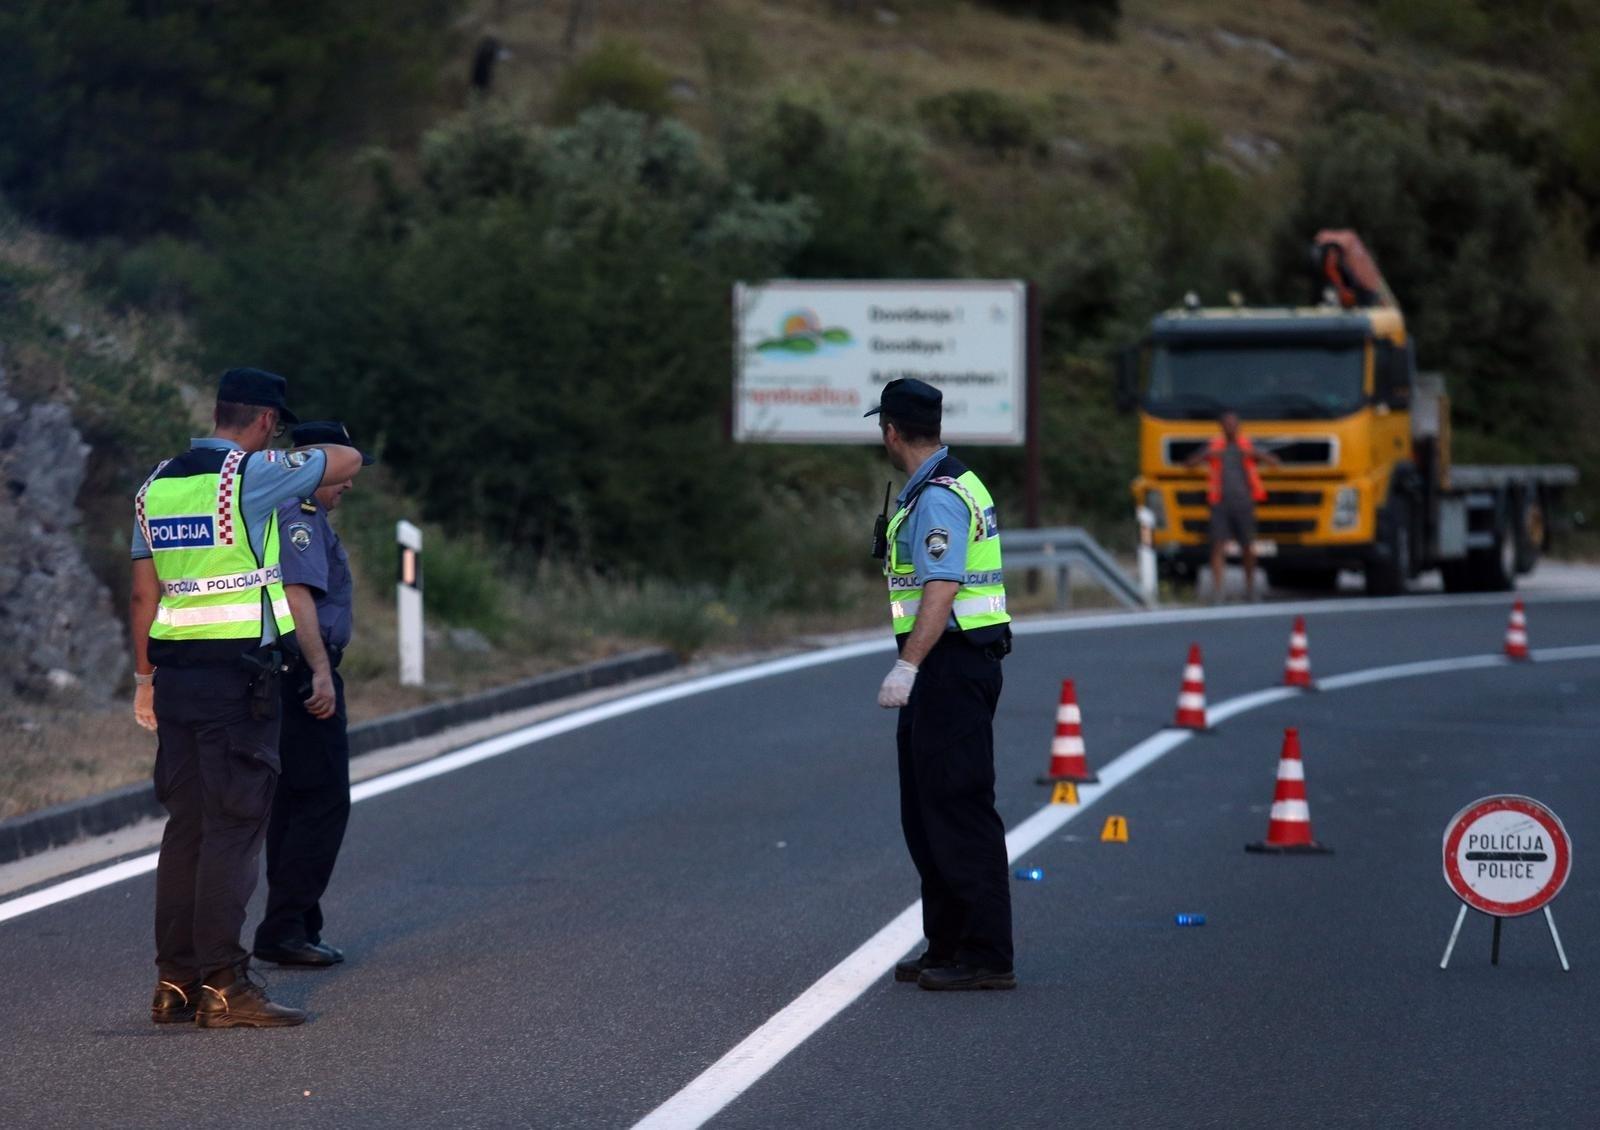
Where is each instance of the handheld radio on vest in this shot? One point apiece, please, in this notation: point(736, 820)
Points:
point(880, 527)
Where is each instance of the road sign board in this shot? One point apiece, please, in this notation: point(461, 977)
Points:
point(812, 356)
point(1506, 855)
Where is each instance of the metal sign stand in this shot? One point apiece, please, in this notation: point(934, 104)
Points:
point(1494, 945)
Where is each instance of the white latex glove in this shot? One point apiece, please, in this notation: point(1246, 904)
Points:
point(896, 689)
point(144, 706)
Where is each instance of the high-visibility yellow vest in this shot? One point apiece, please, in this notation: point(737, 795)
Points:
point(980, 602)
point(215, 588)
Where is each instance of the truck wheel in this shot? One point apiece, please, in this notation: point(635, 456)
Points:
point(1390, 566)
point(1495, 569)
point(1530, 534)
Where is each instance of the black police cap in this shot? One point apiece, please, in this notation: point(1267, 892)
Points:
point(326, 431)
point(910, 400)
point(257, 386)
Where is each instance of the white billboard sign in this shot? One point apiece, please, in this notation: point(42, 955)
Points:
point(811, 357)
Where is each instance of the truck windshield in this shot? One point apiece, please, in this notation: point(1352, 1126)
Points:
point(1259, 382)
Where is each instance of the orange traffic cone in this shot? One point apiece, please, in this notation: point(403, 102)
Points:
point(1297, 669)
point(1289, 825)
point(1192, 698)
point(1068, 761)
point(1517, 634)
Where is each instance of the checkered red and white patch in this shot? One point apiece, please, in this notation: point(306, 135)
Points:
point(226, 483)
point(138, 502)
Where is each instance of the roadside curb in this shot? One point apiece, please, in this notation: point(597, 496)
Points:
point(34, 832)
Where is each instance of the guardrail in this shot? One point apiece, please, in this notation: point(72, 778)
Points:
point(1060, 549)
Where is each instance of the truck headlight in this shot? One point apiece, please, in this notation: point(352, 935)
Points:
point(1156, 503)
point(1346, 508)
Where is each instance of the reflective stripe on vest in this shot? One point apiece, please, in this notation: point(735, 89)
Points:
point(214, 585)
point(1247, 450)
point(218, 614)
point(980, 600)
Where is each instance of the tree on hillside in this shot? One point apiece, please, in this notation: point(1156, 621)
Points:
point(1456, 232)
point(121, 116)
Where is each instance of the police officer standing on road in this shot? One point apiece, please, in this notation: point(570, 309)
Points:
point(209, 621)
point(312, 802)
point(947, 599)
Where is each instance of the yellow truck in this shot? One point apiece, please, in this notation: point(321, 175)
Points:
point(1366, 481)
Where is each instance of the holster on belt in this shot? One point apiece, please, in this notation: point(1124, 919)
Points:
point(266, 666)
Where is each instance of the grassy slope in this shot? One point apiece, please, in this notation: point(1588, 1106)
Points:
point(1249, 68)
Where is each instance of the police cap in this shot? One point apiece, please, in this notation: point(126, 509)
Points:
point(257, 386)
point(911, 401)
point(326, 431)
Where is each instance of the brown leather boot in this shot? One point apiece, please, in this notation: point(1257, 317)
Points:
point(174, 1002)
point(242, 1003)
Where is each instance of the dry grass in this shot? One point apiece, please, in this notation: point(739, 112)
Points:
point(1249, 68)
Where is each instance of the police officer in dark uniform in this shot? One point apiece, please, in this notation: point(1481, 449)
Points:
point(312, 804)
point(948, 606)
point(210, 623)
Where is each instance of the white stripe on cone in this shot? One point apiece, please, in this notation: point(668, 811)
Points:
point(1066, 747)
point(1291, 811)
point(1291, 770)
point(1069, 713)
point(1191, 700)
point(1192, 673)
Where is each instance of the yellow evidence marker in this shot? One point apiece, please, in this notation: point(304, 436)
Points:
point(1115, 831)
point(1066, 792)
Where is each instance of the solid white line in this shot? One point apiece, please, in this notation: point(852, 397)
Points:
point(758, 1053)
point(517, 739)
point(82, 885)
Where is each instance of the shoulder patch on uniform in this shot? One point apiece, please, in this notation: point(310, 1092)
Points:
point(937, 542)
point(296, 459)
point(307, 506)
point(272, 456)
point(299, 536)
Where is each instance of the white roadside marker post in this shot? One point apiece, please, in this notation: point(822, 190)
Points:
point(408, 601)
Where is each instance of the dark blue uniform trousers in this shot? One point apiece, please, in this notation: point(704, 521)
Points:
point(309, 814)
point(216, 767)
point(956, 838)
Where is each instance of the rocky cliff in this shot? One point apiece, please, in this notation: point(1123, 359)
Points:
point(58, 634)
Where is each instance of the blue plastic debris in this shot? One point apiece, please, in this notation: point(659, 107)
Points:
point(1030, 874)
point(1189, 919)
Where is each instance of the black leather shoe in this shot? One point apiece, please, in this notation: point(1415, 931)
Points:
point(966, 977)
point(911, 970)
point(174, 1003)
point(313, 954)
point(243, 1004)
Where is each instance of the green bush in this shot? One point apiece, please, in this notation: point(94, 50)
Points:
point(616, 73)
point(1204, 227)
point(1458, 25)
point(875, 210)
point(122, 117)
point(985, 119)
point(548, 370)
point(1456, 233)
point(1094, 17)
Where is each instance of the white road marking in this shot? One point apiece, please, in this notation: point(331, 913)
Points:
point(1029, 833)
point(517, 739)
point(758, 1053)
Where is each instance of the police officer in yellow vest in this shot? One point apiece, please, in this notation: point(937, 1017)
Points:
point(947, 600)
point(209, 621)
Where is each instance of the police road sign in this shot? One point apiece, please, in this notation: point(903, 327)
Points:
point(1506, 855)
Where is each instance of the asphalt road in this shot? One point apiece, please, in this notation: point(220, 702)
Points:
point(568, 934)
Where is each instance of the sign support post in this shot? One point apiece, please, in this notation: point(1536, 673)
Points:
point(1506, 856)
point(408, 601)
